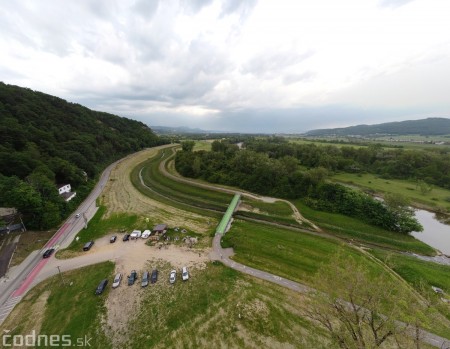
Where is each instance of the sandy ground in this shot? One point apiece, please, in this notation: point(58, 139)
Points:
point(120, 195)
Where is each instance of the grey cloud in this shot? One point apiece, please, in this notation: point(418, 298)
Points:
point(271, 64)
point(194, 6)
point(146, 8)
point(243, 7)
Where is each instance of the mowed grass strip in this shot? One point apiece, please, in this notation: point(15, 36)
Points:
point(351, 228)
point(181, 191)
point(290, 254)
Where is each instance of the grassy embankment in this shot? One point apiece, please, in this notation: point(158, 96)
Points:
point(56, 308)
point(351, 228)
point(196, 199)
point(294, 255)
point(437, 199)
point(421, 275)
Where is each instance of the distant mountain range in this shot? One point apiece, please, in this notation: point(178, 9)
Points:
point(424, 127)
point(167, 130)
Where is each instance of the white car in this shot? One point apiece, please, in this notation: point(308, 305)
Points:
point(173, 276)
point(135, 234)
point(117, 280)
point(78, 215)
point(146, 234)
point(184, 274)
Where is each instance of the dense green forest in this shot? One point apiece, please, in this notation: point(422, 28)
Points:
point(277, 168)
point(45, 141)
point(425, 127)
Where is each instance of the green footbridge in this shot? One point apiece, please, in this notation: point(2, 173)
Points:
point(226, 219)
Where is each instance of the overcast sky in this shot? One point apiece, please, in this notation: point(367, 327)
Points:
point(250, 66)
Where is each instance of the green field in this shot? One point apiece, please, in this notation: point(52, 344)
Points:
point(203, 145)
point(290, 254)
point(438, 198)
point(417, 272)
point(353, 229)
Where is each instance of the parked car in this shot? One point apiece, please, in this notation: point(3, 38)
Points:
point(132, 278)
point(135, 234)
point(146, 234)
point(48, 253)
point(184, 274)
point(101, 286)
point(78, 215)
point(145, 278)
point(117, 280)
point(87, 246)
point(154, 277)
point(126, 237)
point(113, 239)
point(173, 276)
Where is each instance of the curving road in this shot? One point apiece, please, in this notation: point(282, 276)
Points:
point(12, 290)
point(20, 279)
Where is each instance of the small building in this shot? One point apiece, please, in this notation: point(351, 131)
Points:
point(12, 220)
point(159, 230)
point(65, 192)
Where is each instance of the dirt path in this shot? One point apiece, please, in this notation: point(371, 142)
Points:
point(296, 213)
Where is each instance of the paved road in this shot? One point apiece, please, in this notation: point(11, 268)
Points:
point(14, 286)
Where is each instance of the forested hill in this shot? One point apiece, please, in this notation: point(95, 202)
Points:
point(425, 127)
point(45, 140)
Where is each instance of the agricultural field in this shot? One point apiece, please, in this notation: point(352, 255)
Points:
point(436, 199)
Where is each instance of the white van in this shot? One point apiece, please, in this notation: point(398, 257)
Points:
point(146, 234)
point(135, 234)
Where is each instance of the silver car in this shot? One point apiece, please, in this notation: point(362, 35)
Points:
point(173, 276)
point(117, 280)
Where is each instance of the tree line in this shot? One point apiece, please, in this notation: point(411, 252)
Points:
point(282, 175)
point(45, 141)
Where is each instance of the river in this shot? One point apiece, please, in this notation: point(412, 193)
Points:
point(435, 233)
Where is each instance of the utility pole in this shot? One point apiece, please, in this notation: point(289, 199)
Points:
point(62, 279)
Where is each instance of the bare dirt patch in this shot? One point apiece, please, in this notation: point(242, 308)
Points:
point(123, 303)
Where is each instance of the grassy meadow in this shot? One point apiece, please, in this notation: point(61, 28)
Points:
point(353, 229)
point(436, 199)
